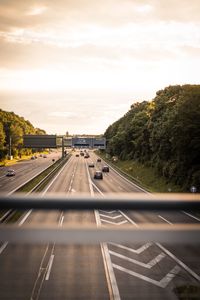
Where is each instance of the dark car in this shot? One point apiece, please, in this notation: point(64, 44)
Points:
point(81, 153)
point(77, 155)
point(105, 169)
point(91, 165)
point(10, 172)
point(98, 159)
point(86, 156)
point(98, 175)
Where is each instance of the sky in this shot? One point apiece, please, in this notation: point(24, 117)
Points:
point(77, 65)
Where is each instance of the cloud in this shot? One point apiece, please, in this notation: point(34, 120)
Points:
point(64, 14)
point(63, 114)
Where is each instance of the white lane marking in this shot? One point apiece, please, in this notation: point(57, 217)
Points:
point(186, 268)
point(50, 263)
point(148, 265)
point(11, 192)
point(193, 217)
point(164, 249)
point(50, 184)
point(96, 187)
point(162, 283)
point(3, 247)
point(130, 220)
point(109, 212)
point(175, 259)
point(135, 185)
point(89, 181)
point(113, 223)
point(19, 224)
point(25, 217)
point(110, 217)
point(39, 274)
point(165, 220)
point(137, 251)
point(110, 275)
point(61, 221)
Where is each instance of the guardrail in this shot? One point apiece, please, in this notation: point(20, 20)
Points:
point(179, 233)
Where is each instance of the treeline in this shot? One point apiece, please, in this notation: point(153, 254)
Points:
point(163, 133)
point(12, 129)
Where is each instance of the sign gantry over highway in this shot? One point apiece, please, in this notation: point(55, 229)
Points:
point(40, 141)
point(54, 141)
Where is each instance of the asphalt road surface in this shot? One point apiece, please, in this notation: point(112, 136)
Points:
point(106, 271)
point(25, 170)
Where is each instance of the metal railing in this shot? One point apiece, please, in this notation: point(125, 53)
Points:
point(73, 234)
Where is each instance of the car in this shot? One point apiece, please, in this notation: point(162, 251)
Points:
point(81, 153)
point(86, 156)
point(105, 169)
point(10, 172)
point(77, 155)
point(32, 157)
point(35, 156)
point(98, 159)
point(44, 156)
point(41, 155)
point(98, 175)
point(91, 165)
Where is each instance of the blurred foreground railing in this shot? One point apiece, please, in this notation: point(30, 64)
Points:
point(178, 233)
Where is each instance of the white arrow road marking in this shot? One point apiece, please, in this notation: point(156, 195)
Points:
point(162, 283)
point(120, 223)
point(109, 212)
point(137, 251)
point(110, 217)
point(149, 265)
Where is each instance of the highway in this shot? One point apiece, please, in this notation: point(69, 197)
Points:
point(25, 170)
point(106, 271)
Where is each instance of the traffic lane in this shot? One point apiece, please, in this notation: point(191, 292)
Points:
point(115, 182)
point(23, 266)
point(189, 258)
point(77, 272)
point(19, 269)
point(61, 182)
point(24, 171)
point(149, 280)
point(187, 254)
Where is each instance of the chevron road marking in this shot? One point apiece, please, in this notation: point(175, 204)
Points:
point(137, 251)
point(120, 223)
point(149, 265)
point(110, 217)
point(162, 283)
point(110, 275)
point(109, 212)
